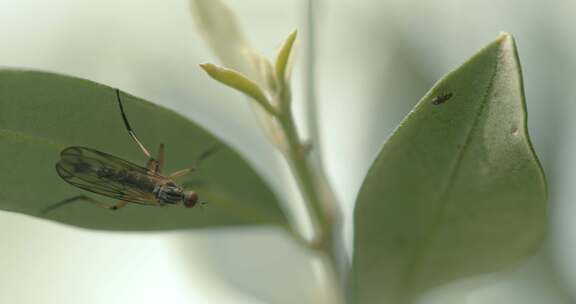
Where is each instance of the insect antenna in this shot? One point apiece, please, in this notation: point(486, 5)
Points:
point(129, 128)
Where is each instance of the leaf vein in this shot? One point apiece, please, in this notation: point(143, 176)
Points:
point(415, 266)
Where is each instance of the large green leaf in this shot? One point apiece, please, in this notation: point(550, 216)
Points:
point(456, 190)
point(43, 113)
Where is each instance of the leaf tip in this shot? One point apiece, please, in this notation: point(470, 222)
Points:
point(506, 42)
point(505, 38)
point(207, 67)
point(292, 36)
point(213, 70)
point(284, 55)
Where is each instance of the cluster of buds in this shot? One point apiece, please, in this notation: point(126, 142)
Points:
point(269, 88)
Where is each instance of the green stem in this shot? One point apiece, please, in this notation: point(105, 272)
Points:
point(296, 155)
point(317, 194)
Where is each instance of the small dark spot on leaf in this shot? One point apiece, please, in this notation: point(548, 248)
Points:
point(442, 98)
point(514, 131)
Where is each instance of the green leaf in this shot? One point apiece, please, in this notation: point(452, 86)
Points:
point(456, 190)
point(239, 82)
point(283, 58)
point(43, 113)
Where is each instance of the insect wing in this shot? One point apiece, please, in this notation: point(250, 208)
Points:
point(94, 171)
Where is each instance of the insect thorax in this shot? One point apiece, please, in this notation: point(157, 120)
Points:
point(169, 193)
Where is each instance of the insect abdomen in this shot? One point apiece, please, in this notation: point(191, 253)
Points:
point(127, 178)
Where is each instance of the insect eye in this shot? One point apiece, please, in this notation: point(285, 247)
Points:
point(191, 199)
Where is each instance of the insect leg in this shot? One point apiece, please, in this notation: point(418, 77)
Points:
point(155, 165)
point(182, 172)
point(206, 154)
point(151, 165)
point(130, 131)
point(160, 159)
point(81, 198)
point(199, 159)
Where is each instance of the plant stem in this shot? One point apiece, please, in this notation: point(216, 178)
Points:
point(318, 195)
point(305, 162)
point(296, 155)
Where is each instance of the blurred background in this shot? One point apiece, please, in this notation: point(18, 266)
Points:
point(375, 60)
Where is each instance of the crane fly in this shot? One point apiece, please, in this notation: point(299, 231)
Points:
point(110, 176)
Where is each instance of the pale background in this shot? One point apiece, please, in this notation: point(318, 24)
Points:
point(376, 59)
